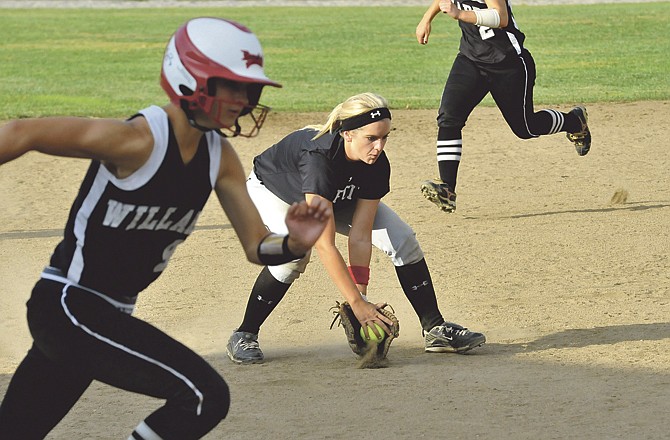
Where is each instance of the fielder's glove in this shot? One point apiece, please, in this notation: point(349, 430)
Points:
point(372, 355)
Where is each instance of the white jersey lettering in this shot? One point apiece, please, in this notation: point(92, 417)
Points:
point(191, 227)
point(139, 212)
point(345, 194)
point(148, 218)
point(182, 224)
point(165, 221)
point(149, 222)
point(115, 213)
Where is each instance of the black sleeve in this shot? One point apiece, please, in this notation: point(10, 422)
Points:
point(317, 175)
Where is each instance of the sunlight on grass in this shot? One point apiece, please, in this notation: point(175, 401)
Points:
point(107, 62)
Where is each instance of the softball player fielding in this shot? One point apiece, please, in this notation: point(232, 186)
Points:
point(343, 163)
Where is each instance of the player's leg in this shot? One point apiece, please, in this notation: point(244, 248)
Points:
point(512, 89)
point(84, 333)
point(267, 292)
point(197, 397)
point(398, 240)
point(39, 395)
point(271, 284)
point(464, 89)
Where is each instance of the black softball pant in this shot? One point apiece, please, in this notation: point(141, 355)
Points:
point(511, 85)
point(79, 337)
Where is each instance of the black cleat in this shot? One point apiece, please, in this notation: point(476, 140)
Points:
point(452, 338)
point(582, 138)
point(440, 194)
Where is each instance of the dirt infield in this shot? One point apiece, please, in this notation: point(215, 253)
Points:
point(572, 291)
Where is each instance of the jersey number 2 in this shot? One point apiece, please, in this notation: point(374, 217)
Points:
point(486, 32)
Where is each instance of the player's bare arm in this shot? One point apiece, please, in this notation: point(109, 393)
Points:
point(360, 236)
point(501, 7)
point(423, 28)
point(305, 223)
point(122, 145)
point(332, 259)
point(231, 191)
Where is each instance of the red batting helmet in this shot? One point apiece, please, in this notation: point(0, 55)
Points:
point(206, 48)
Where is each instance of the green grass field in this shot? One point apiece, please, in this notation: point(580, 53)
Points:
point(107, 62)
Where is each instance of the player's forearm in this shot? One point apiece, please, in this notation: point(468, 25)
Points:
point(485, 17)
point(338, 273)
point(432, 11)
point(360, 252)
point(500, 6)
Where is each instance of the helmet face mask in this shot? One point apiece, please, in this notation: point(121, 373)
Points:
point(205, 49)
point(252, 115)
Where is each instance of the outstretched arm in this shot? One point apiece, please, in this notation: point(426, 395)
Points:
point(306, 221)
point(122, 145)
point(366, 312)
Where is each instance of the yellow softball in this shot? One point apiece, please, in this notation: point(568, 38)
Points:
point(372, 337)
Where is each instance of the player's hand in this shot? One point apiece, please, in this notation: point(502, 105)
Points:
point(306, 222)
point(368, 314)
point(448, 7)
point(423, 31)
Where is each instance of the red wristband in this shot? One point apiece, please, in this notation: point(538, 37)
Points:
point(360, 274)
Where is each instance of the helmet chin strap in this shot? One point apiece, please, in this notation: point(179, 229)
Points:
point(200, 127)
point(191, 118)
point(256, 113)
point(231, 132)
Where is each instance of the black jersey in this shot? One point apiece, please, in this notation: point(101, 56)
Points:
point(298, 165)
point(121, 233)
point(486, 45)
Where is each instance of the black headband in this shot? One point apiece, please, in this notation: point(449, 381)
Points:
point(366, 118)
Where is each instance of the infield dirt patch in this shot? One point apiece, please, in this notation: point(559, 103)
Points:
point(572, 291)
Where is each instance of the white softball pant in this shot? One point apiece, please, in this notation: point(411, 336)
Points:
point(390, 233)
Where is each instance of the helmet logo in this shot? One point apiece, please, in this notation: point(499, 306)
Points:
point(252, 59)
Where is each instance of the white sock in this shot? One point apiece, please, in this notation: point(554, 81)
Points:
point(143, 432)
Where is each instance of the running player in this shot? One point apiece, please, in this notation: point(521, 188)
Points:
point(342, 163)
point(147, 183)
point(491, 58)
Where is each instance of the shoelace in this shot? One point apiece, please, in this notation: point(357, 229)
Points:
point(447, 330)
point(247, 344)
point(457, 332)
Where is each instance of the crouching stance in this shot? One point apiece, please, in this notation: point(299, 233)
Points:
point(344, 164)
